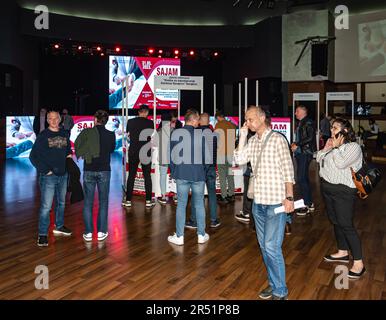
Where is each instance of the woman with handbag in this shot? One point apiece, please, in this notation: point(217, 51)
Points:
point(341, 153)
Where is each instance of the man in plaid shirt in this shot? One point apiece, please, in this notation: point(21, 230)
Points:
point(274, 179)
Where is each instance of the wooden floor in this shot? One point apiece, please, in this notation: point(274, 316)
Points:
point(137, 262)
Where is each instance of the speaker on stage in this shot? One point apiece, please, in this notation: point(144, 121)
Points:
point(319, 59)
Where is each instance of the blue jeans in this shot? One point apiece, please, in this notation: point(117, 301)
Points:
point(52, 186)
point(212, 198)
point(163, 171)
point(198, 189)
point(270, 234)
point(90, 180)
point(303, 164)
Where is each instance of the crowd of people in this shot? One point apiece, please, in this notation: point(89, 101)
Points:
point(191, 154)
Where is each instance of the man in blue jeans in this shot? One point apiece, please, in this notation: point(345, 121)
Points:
point(188, 169)
point(271, 163)
point(303, 149)
point(48, 156)
point(211, 139)
point(97, 172)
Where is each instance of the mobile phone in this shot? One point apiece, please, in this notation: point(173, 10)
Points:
point(340, 133)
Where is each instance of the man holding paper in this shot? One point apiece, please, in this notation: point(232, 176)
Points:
point(273, 175)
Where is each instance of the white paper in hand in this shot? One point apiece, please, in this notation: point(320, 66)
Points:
point(297, 204)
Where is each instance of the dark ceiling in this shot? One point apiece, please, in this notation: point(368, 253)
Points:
point(193, 12)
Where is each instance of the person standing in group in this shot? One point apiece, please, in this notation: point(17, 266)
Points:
point(67, 121)
point(273, 175)
point(48, 156)
point(303, 149)
point(226, 144)
point(210, 169)
point(40, 122)
point(139, 131)
point(95, 145)
point(340, 154)
point(187, 167)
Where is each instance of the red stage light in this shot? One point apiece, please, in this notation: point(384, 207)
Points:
point(159, 56)
point(151, 50)
point(176, 52)
point(160, 51)
point(176, 57)
point(191, 52)
point(79, 47)
point(56, 46)
point(98, 48)
point(102, 54)
point(215, 54)
point(117, 49)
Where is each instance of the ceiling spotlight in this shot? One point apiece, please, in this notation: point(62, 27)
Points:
point(271, 4)
point(56, 46)
point(215, 54)
point(159, 56)
point(102, 54)
point(79, 47)
point(151, 50)
point(236, 3)
point(176, 57)
point(176, 52)
point(99, 48)
point(160, 51)
point(191, 52)
point(117, 49)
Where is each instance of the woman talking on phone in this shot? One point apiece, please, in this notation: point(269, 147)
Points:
point(341, 153)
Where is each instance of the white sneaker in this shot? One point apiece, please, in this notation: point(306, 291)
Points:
point(203, 239)
point(102, 236)
point(87, 236)
point(126, 204)
point(179, 241)
point(150, 204)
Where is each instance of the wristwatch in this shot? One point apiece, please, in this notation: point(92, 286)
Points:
point(290, 198)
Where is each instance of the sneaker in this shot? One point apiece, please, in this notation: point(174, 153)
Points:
point(279, 298)
point(244, 217)
point(356, 275)
point(202, 239)
point(62, 231)
point(150, 203)
point(311, 207)
point(330, 258)
point(190, 224)
point(102, 236)
point(302, 212)
point(126, 203)
point(266, 293)
point(87, 236)
point(162, 200)
point(179, 241)
point(42, 241)
point(230, 198)
point(214, 224)
point(288, 229)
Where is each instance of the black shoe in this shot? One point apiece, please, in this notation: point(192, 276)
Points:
point(356, 275)
point(279, 298)
point(288, 229)
point(223, 200)
point(214, 224)
point(266, 293)
point(62, 231)
point(242, 217)
point(330, 258)
point(230, 198)
point(162, 200)
point(149, 204)
point(190, 224)
point(42, 241)
point(302, 211)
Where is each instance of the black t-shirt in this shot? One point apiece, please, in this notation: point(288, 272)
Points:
point(134, 128)
point(106, 146)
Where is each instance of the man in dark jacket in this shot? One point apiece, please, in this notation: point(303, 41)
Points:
point(48, 156)
point(97, 173)
point(188, 169)
point(303, 149)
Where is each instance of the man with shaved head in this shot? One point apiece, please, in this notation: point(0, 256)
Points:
point(273, 174)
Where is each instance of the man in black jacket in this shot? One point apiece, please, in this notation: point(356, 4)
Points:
point(304, 148)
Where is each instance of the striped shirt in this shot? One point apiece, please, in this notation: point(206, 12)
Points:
point(335, 163)
point(275, 168)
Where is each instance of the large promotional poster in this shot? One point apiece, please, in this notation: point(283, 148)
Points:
point(140, 86)
point(20, 136)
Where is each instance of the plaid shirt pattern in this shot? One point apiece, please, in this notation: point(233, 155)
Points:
point(275, 168)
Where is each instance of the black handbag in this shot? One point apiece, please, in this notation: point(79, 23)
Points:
point(366, 179)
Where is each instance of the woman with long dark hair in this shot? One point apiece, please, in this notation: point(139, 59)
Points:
point(341, 153)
